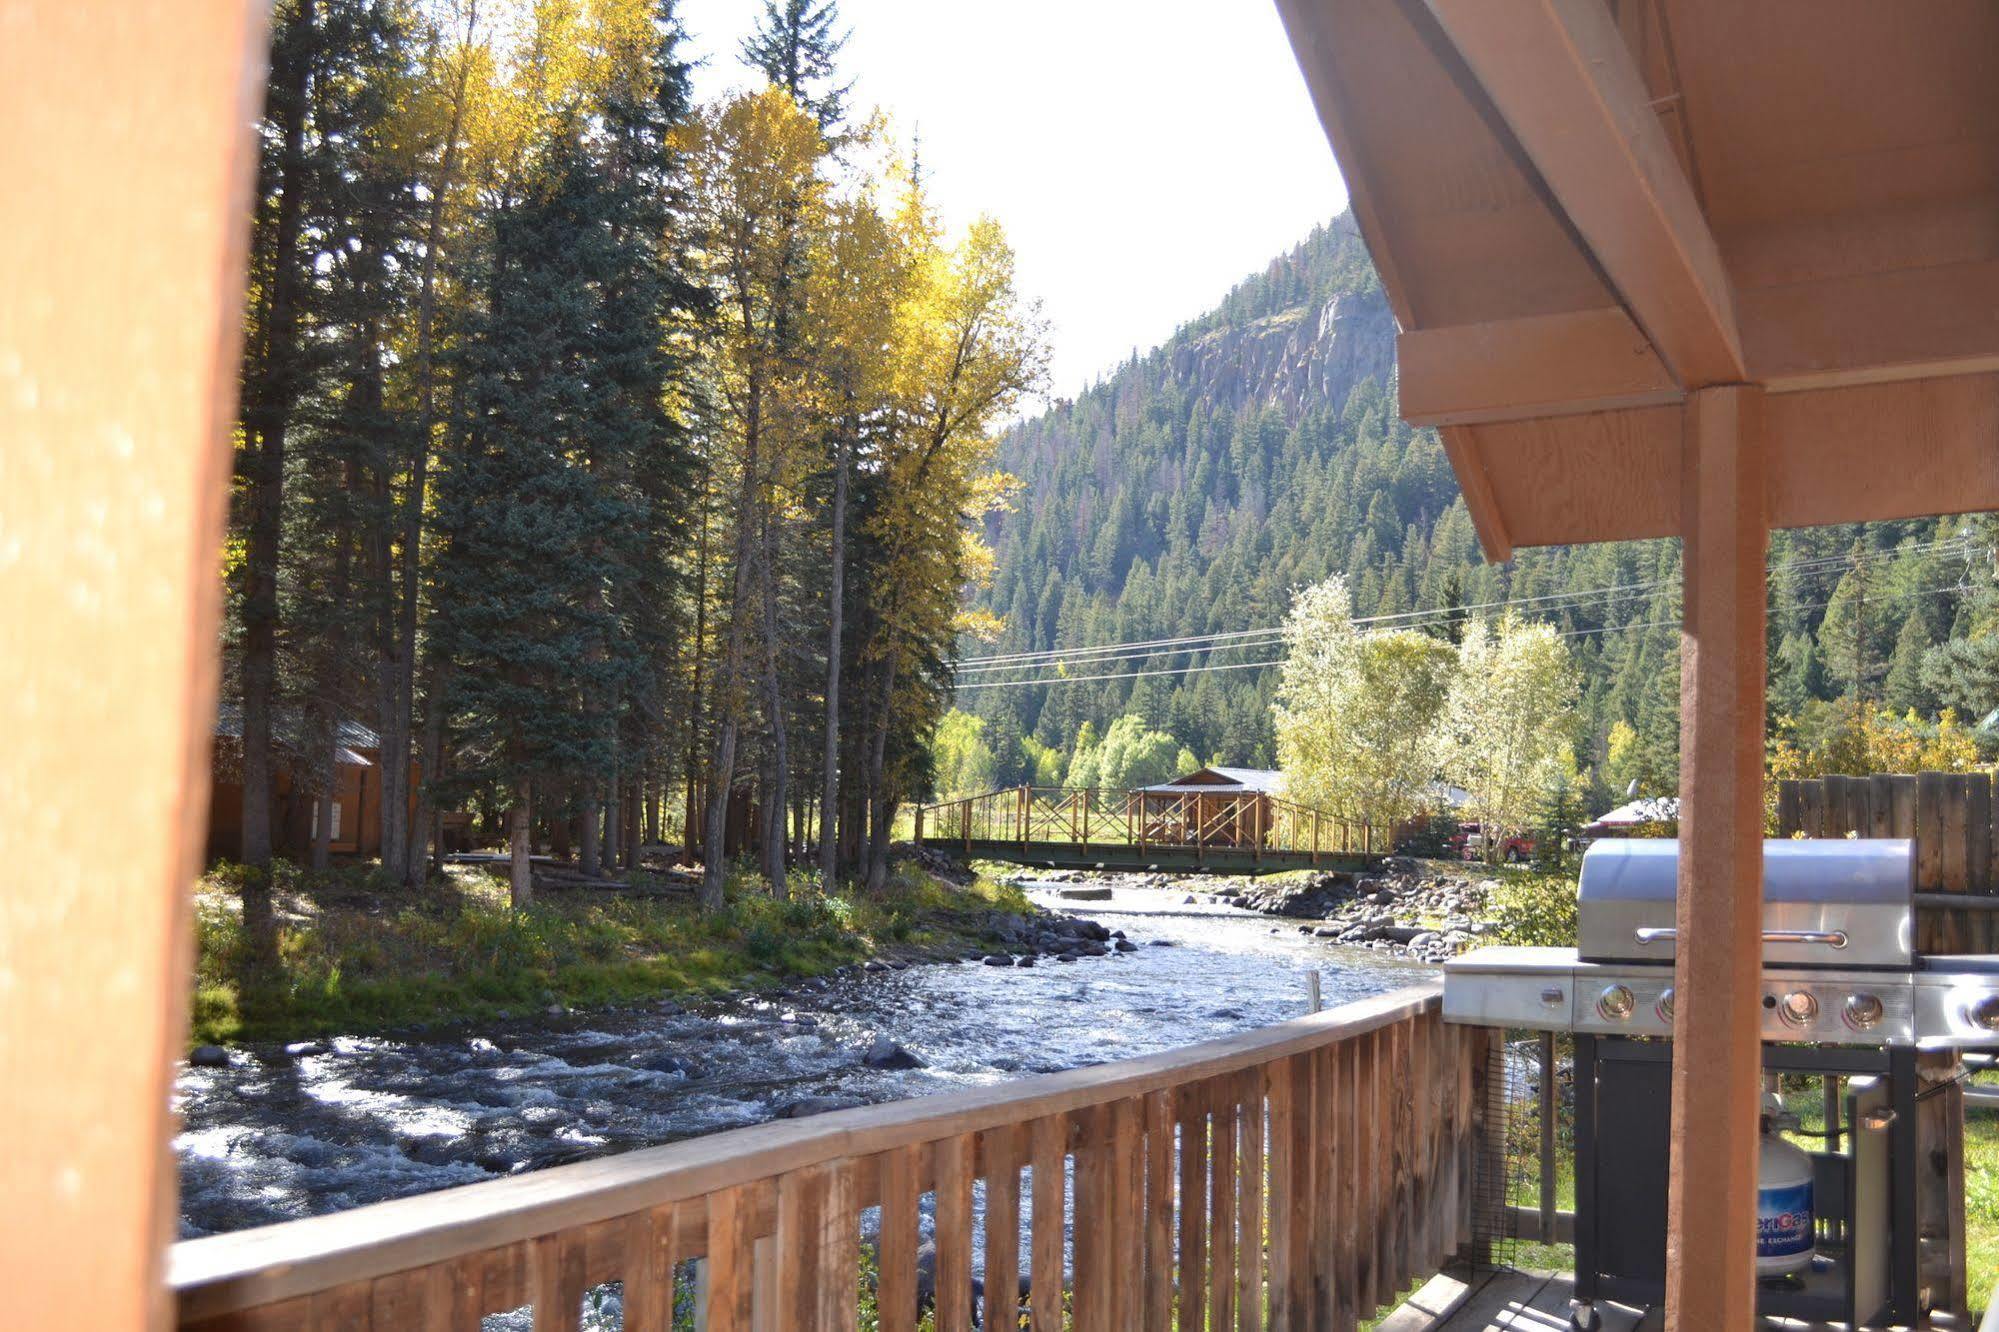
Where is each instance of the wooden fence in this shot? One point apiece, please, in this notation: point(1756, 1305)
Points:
point(1297, 1176)
point(1947, 814)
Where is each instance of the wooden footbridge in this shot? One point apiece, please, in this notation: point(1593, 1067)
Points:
point(1151, 829)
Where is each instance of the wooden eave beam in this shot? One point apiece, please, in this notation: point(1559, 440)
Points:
point(1516, 369)
point(1845, 332)
point(1560, 76)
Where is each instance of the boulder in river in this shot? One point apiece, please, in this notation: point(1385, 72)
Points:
point(887, 1054)
point(1126, 946)
point(998, 960)
point(816, 1105)
point(208, 1056)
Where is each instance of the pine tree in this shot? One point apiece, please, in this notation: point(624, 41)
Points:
point(797, 45)
point(536, 525)
point(1903, 689)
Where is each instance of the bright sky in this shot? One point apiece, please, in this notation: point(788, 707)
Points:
point(1143, 155)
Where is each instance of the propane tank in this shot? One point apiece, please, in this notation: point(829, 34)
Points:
point(1784, 1222)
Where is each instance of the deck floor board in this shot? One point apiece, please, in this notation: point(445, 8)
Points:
point(1514, 1301)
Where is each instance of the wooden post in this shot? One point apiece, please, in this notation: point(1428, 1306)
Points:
point(1022, 818)
point(1317, 819)
point(1087, 793)
point(919, 826)
point(1711, 1209)
point(1549, 1106)
point(126, 134)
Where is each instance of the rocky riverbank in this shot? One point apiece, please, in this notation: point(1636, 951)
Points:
point(1419, 909)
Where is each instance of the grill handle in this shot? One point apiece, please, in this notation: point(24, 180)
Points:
point(1651, 934)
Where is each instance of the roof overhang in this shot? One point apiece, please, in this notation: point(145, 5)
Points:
point(1583, 209)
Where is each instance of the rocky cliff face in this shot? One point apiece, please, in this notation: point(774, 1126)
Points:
point(1307, 354)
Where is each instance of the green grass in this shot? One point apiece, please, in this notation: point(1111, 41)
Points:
point(353, 955)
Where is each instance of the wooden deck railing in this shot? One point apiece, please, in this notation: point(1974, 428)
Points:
point(1164, 821)
point(1291, 1177)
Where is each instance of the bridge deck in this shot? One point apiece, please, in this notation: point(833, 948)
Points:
point(1079, 855)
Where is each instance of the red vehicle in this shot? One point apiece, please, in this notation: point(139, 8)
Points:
point(1468, 843)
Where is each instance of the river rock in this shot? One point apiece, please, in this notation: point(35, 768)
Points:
point(1027, 960)
point(1126, 946)
point(998, 960)
point(1092, 893)
point(816, 1105)
point(305, 1049)
point(887, 1054)
point(1065, 957)
point(208, 1056)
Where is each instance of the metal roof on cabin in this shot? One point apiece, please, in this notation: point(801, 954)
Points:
point(1266, 781)
point(350, 735)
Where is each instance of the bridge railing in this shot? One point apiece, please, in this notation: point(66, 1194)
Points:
point(1189, 820)
point(1296, 1175)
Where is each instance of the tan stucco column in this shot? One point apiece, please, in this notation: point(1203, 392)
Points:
point(125, 144)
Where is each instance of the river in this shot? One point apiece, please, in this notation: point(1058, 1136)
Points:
point(274, 1137)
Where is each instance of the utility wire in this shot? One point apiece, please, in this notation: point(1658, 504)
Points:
point(1204, 667)
point(1108, 652)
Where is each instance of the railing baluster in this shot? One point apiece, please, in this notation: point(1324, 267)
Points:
point(1222, 1204)
point(801, 1202)
point(1335, 1219)
point(840, 1251)
point(555, 1282)
point(1091, 1306)
point(340, 1308)
point(1159, 1139)
point(1049, 1146)
point(1002, 1227)
point(1249, 1221)
point(1125, 1265)
point(1193, 1203)
point(1284, 1188)
point(895, 1248)
point(729, 1261)
point(648, 1274)
point(1347, 1073)
point(954, 1234)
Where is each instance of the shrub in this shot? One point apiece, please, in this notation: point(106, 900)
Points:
point(1535, 909)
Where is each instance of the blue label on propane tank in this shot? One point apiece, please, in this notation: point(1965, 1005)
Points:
point(1783, 1221)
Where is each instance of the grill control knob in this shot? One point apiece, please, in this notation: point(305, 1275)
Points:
point(1863, 1011)
point(1665, 1005)
point(1617, 1002)
point(1983, 1011)
point(1801, 1008)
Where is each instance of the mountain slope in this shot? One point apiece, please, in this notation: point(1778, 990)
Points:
point(1258, 451)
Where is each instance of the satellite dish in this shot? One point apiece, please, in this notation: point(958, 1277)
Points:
point(1631, 790)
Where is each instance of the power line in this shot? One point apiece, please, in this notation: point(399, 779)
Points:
point(1204, 667)
point(1105, 653)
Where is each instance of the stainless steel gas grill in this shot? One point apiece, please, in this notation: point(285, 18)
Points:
point(1845, 997)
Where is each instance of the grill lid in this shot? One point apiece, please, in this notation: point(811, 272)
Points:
point(1846, 903)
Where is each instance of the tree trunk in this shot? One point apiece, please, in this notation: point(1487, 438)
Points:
point(775, 861)
point(410, 835)
point(520, 847)
point(588, 859)
point(881, 808)
point(730, 690)
point(614, 823)
point(424, 839)
point(634, 812)
point(829, 770)
point(690, 827)
point(267, 417)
